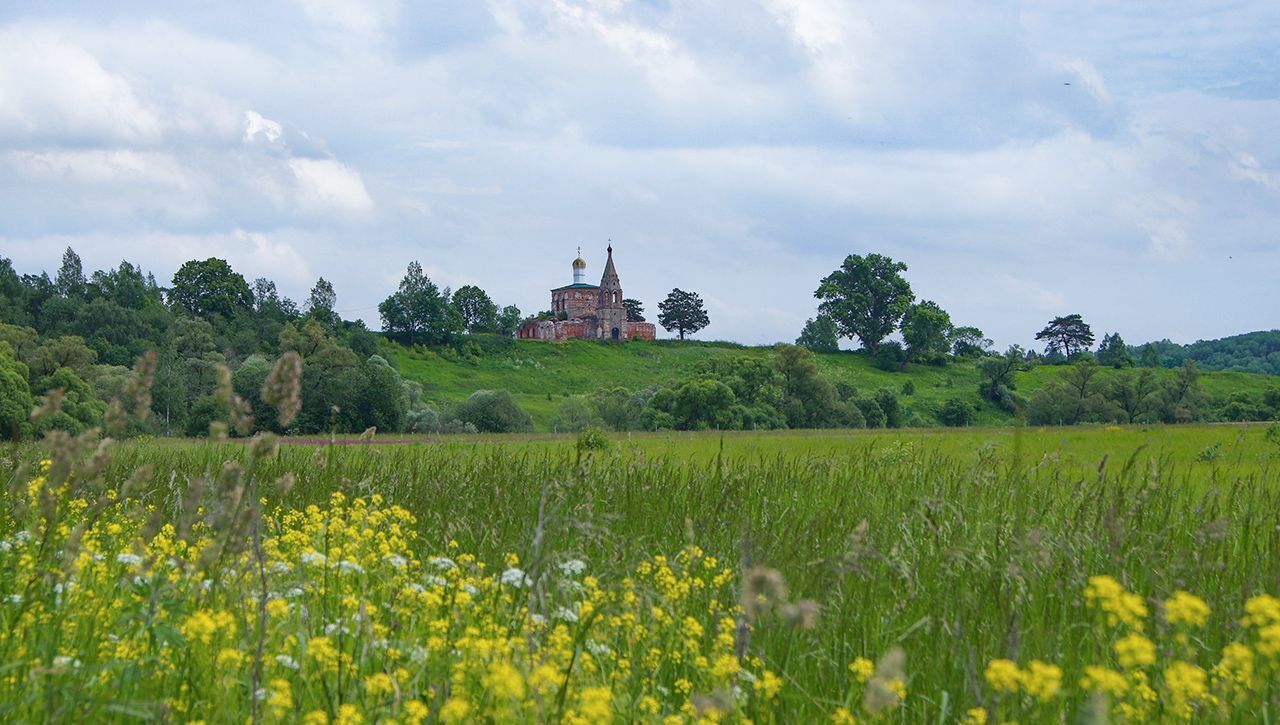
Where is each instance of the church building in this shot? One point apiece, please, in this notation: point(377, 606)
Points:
point(588, 311)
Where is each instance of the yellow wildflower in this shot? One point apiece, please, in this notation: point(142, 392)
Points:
point(1003, 676)
point(975, 716)
point(1184, 608)
point(862, 669)
point(1042, 680)
point(842, 716)
point(379, 685)
point(1188, 686)
point(1106, 680)
point(1119, 605)
point(456, 709)
point(1135, 650)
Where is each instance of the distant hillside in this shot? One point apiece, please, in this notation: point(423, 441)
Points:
point(542, 375)
point(1253, 352)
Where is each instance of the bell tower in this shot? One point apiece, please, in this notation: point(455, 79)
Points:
point(613, 316)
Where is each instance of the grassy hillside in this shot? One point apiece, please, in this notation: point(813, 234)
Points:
point(541, 375)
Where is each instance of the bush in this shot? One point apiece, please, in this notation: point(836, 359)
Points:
point(575, 415)
point(890, 356)
point(956, 413)
point(593, 439)
point(909, 388)
point(423, 420)
point(493, 411)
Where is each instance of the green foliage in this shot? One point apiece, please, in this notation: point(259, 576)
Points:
point(593, 439)
point(956, 413)
point(1210, 453)
point(210, 287)
point(683, 313)
point(1066, 336)
point(998, 377)
point(617, 407)
point(15, 396)
point(635, 310)
point(1114, 353)
point(1135, 394)
point(1183, 400)
point(575, 415)
point(322, 302)
point(927, 330)
point(1253, 352)
point(890, 356)
point(493, 411)
point(1076, 397)
point(479, 313)
point(419, 312)
point(866, 297)
point(703, 404)
point(820, 335)
point(909, 388)
point(969, 342)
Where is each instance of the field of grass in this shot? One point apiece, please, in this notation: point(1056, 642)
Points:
point(541, 375)
point(886, 575)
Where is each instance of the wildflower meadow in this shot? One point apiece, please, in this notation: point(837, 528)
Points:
point(860, 579)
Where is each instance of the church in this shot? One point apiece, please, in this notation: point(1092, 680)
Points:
point(588, 311)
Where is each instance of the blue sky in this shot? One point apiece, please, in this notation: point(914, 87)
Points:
point(1026, 160)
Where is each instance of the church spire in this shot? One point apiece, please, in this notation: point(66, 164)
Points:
point(610, 285)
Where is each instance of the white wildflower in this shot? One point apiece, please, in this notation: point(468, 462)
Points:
point(442, 562)
point(279, 567)
point(565, 614)
point(415, 587)
point(395, 560)
point(599, 649)
point(349, 566)
point(314, 557)
point(287, 662)
point(129, 559)
point(15, 599)
point(65, 661)
point(295, 592)
point(437, 581)
point(5, 546)
point(573, 567)
point(22, 537)
point(515, 577)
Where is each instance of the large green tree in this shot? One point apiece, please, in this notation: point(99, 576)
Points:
point(1067, 335)
point(210, 287)
point(479, 313)
point(15, 395)
point(635, 310)
point(1114, 352)
point(867, 297)
point(683, 313)
point(418, 311)
point(926, 328)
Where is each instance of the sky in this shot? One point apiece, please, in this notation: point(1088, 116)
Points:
point(1025, 160)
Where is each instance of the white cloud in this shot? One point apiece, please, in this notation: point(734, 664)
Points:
point(328, 186)
point(51, 87)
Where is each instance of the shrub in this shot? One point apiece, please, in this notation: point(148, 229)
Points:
point(593, 439)
point(493, 411)
point(956, 412)
point(909, 388)
point(890, 356)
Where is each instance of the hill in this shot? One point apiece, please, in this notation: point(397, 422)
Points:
point(540, 375)
point(1252, 352)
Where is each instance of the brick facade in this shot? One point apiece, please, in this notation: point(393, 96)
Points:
point(594, 312)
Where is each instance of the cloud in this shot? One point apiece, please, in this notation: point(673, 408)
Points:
point(1020, 157)
point(327, 185)
point(51, 88)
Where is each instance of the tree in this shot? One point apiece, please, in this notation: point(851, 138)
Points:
point(1183, 400)
point(635, 310)
point(418, 311)
point(1134, 393)
point(866, 297)
point(820, 335)
point(926, 328)
point(15, 396)
point(1114, 352)
point(956, 412)
point(479, 313)
point(969, 342)
point(210, 287)
point(1066, 335)
point(509, 321)
point(617, 407)
point(1149, 357)
point(808, 398)
point(70, 281)
point(682, 312)
point(321, 303)
point(493, 411)
point(998, 372)
point(574, 416)
point(1074, 398)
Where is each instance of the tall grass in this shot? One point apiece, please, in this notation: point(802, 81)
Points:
point(957, 557)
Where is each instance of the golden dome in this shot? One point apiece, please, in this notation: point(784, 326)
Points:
point(579, 263)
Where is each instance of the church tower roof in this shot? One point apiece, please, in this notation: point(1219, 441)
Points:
point(610, 277)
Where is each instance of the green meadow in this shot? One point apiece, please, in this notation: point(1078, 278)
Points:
point(930, 553)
